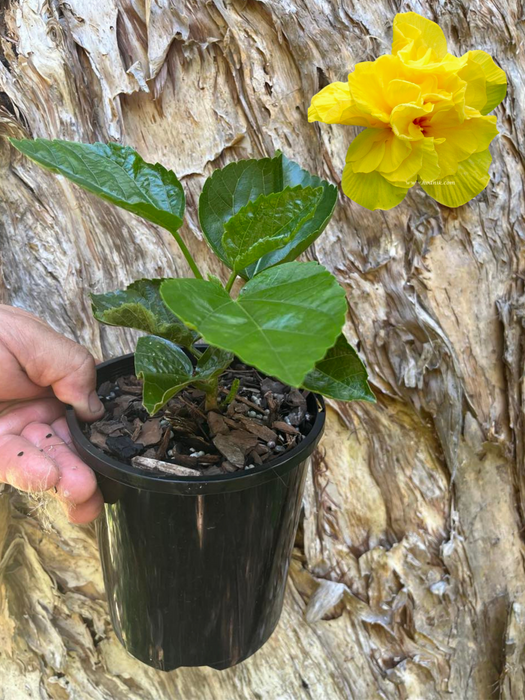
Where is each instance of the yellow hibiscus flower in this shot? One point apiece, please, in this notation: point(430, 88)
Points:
point(425, 113)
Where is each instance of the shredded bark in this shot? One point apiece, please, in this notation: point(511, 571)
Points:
point(265, 420)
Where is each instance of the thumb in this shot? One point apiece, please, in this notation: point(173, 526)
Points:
point(52, 360)
point(77, 385)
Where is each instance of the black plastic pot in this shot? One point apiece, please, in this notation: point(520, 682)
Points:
point(195, 568)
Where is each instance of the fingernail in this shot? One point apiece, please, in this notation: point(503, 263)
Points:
point(95, 404)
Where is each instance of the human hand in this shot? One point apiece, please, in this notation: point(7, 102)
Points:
point(40, 369)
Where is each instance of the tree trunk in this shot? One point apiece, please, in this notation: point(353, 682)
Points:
point(408, 576)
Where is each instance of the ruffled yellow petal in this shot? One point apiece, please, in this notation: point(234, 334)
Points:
point(470, 179)
point(396, 150)
point(334, 104)
point(400, 92)
point(459, 140)
point(371, 190)
point(429, 169)
point(422, 161)
point(496, 80)
point(367, 150)
point(368, 84)
point(476, 85)
point(417, 39)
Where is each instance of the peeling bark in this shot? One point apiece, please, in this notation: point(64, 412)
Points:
point(408, 576)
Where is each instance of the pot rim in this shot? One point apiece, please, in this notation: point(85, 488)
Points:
point(106, 466)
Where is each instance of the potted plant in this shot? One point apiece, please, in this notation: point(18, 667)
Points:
point(209, 426)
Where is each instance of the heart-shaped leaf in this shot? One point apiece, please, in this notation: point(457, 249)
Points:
point(230, 189)
point(115, 173)
point(140, 306)
point(267, 223)
point(164, 368)
point(283, 321)
point(340, 375)
point(310, 229)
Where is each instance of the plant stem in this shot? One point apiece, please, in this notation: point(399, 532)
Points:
point(230, 282)
point(211, 395)
point(187, 255)
point(232, 393)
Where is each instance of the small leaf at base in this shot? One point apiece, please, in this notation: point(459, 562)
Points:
point(164, 368)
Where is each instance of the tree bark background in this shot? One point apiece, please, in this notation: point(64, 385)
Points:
point(408, 578)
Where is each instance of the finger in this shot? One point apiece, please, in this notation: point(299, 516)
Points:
point(85, 512)
point(16, 385)
point(39, 411)
point(23, 465)
point(61, 429)
point(50, 359)
point(77, 483)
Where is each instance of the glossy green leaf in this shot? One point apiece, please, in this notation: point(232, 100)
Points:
point(164, 368)
point(228, 190)
point(310, 229)
point(115, 173)
point(283, 321)
point(340, 375)
point(212, 363)
point(231, 188)
point(140, 306)
point(267, 223)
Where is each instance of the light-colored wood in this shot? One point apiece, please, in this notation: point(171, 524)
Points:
point(408, 579)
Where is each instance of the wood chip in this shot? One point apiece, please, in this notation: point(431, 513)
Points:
point(122, 403)
point(128, 386)
point(255, 458)
point(217, 424)
point(262, 431)
point(284, 427)
point(98, 439)
point(273, 386)
point(246, 402)
point(163, 447)
point(243, 439)
point(105, 388)
point(296, 398)
point(111, 427)
point(151, 432)
point(182, 426)
point(233, 422)
point(189, 461)
point(156, 465)
point(229, 449)
point(229, 467)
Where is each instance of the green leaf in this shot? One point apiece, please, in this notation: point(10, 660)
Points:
point(267, 223)
point(311, 228)
point(212, 363)
point(114, 173)
point(230, 189)
point(164, 368)
point(140, 306)
point(283, 321)
point(340, 375)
